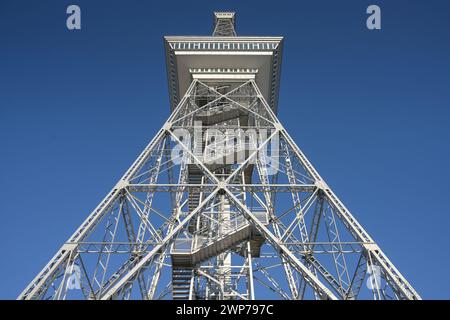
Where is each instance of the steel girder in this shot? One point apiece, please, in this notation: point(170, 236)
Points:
point(319, 248)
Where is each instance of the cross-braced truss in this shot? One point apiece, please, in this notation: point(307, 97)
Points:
point(222, 204)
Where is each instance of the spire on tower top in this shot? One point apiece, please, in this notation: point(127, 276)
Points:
point(224, 24)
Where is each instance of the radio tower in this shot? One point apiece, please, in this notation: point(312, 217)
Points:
point(221, 204)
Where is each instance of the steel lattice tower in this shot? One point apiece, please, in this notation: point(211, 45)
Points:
point(221, 204)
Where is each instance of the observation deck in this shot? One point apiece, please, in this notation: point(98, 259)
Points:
point(225, 57)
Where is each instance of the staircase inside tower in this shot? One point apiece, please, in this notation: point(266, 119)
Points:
point(182, 278)
point(213, 238)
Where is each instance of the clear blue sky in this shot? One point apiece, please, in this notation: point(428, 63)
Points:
point(370, 109)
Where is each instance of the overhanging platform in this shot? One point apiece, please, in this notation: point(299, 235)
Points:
point(261, 55)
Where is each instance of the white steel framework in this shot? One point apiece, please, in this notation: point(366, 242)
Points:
point(221, 204)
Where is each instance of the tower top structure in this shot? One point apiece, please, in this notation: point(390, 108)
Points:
point(223, 56)
point(224, 24)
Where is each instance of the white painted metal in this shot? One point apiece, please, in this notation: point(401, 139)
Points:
point(185, 225)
